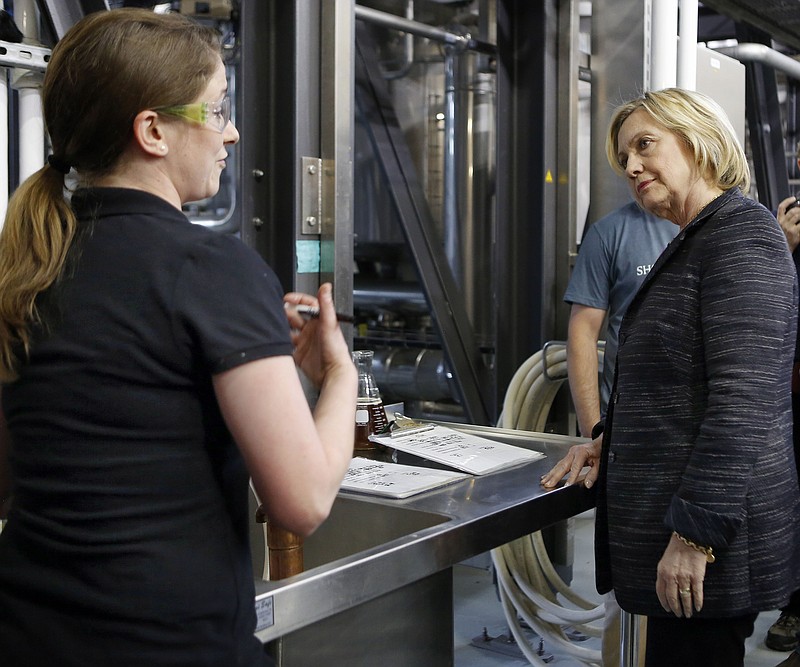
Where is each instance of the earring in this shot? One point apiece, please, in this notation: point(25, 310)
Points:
point(163, 147)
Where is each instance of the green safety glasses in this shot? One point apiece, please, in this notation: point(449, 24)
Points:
point(215, 115)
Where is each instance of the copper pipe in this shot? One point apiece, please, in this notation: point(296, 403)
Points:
point(285, 549)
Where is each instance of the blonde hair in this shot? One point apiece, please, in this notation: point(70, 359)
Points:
point(700, 123)
point(107, 68)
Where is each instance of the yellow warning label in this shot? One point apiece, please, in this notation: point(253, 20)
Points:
point(548, 178)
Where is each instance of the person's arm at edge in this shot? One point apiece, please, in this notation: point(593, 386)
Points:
point(5, 472)
point(585, 324)
point(790, 222)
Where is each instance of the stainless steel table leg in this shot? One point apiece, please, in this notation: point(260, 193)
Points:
point(628, 640)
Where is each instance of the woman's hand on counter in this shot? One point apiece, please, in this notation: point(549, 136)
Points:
point(578, 457)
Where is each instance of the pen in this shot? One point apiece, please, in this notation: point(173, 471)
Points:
point(311, 312)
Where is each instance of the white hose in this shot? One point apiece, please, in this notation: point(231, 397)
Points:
point(515, 604)
point(528, 583)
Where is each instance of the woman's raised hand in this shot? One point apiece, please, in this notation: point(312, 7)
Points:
point(320, 347)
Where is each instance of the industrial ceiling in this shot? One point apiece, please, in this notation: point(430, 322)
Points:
point(778, 18)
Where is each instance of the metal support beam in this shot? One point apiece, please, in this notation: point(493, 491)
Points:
point(259, 160)
point(24, 56)
point(620, 72)
point(568, 147)
point(792, 130)
point(63, 14)
point(337, 136)
point(764, 122)
point(464, 356)
point(297, 88)
point(527, 163)
point(778, 18)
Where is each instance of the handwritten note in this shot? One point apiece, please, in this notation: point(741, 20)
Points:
point(394, 480)
point(470, 453)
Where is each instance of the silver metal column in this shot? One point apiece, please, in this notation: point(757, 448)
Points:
point(63, 14)
point(569, 59)
point(452, 222)
point(620, 71)
point(337, 136)
point(297, 93)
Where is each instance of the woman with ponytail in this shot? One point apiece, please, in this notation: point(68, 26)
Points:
point(148, 369)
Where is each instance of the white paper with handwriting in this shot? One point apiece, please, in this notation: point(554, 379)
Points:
point(467, 452)
point(394, 480)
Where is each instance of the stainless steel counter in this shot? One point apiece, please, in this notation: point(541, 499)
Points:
point(370, 547)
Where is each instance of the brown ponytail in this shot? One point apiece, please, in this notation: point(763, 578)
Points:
point(107, 68)
point(34, 242)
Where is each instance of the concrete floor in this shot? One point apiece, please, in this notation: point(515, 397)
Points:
point(477, 607)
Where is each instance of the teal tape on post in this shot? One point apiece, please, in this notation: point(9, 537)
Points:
point(307, 256)
point(327, 257)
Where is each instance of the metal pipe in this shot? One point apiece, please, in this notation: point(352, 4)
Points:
point(763, 54)
point(477, 173)
point(413, 374)
point(450, 217)
point(31, 123)
point(31, 132)
point(628, 639)
point(403, 70)
point(26, 19)
point(687, 45)
point(465, 42)
point(368, 293)
point(664, 44)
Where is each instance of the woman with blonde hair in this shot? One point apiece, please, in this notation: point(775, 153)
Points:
point(148, 370)
point(698, 510)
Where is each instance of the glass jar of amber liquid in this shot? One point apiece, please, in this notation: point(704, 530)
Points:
point(370, 413)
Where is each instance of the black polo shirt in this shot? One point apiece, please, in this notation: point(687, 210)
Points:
point(127, 543)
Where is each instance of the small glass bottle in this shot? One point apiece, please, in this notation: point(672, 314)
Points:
point(370, 413)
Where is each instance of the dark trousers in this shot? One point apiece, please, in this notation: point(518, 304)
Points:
point(794, 602)
point(695, 642)
point(796, 423)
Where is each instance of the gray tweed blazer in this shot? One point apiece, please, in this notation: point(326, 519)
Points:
point(698, 436)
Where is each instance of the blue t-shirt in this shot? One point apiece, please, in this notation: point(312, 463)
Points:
point(616, 254)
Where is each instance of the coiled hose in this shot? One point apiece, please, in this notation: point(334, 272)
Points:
point(528, 584)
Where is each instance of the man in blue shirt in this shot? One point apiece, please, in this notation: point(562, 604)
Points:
point(616, 254)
